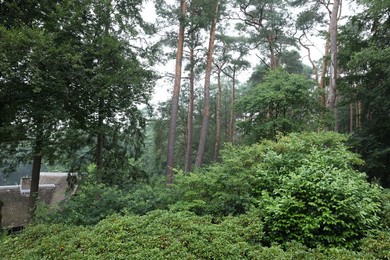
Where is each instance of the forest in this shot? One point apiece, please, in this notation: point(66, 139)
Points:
point(273, 143)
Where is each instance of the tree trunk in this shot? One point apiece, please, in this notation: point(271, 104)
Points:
point(232, 119)
point(175, 97)
point(331, 99)
point(323, 73)
point(206, 110)
point(35, 174)
point(100, 143)
point(188, 155)
point(272, 52)
point(219, 104)
point(357, 115)
point(351, 118)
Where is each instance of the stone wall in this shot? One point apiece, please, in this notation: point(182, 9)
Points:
point(52, 189)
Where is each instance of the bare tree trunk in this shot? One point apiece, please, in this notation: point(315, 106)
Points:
point(232, 119)
point(188, 155)
point(175, 97)
point(206, 110)
point(100, 144)
point(323, 72)
point(218, 134)
point(35, 174)
point(357, 114)
point(272, 52)
point(331, 99)
point(351, 118)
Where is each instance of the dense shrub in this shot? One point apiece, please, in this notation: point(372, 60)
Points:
point(92, 203)
point(168, 235)
point(385, 214)
point(144, 197)
point(157, 235)
point(304, 185)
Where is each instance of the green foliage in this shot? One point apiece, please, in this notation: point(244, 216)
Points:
point(377, 244)
point(168, 235)
point(319, 204)
point(92, 203)
point(145, 197)
point(283, 103)
point(364, 55)
point(385, 214)
point(304, 186)
point(158, 235)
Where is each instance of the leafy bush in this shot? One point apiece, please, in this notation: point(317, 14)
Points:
point(168, 235)
point(385, 214)
point(157, 235)
point(304, 185)
point(144, 197)
point(92, 203)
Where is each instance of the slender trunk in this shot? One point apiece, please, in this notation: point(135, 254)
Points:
point(175, 97)
point(206, 110)
point(35, 174)
point(188, 155)
point(100, 143)
point(323, 72)
point(357, 114)
point(331, 99)
point(351, 118)
point(219, 104)
point(272, 52)
point(232, 119)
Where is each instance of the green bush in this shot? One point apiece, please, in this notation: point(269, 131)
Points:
point(92, 203)
point(144, 197)
point(157, 235)
point(169, 235)
point(385, 214)
point(304, 185)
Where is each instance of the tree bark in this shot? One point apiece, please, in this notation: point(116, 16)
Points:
point(351, 118)
point(188, 155)
point(232, 119)
point(323, 72)
point(175, 97)
point(206, 110)
point(35, 174)
point(331, 99)
point(272, 52)
point(100, 143)
point(219, 104)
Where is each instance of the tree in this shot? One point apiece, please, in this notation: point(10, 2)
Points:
point(176, 93)
point(236, 63)
point(32, 87)
point(266, 25)
point(206, 109)
point(74, 75)
point(331, 99)
point(364, 55)
point(219, 66)
point(283, 103)
point(196, 23)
